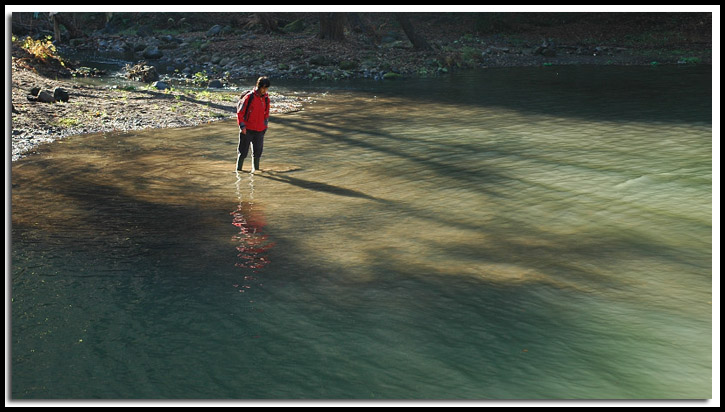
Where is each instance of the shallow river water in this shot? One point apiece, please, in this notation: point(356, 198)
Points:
point(537, 233)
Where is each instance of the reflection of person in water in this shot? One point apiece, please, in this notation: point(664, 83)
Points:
point(252, 243)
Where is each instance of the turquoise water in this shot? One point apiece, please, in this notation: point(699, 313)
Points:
point(537, 233)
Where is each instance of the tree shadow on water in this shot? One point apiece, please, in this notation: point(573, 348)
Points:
point(359, 137)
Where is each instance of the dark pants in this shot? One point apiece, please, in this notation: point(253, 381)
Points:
point(255, 138)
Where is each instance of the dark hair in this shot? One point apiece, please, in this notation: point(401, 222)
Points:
point(263, 82)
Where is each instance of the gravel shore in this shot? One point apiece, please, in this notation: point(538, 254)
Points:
point(93, 109)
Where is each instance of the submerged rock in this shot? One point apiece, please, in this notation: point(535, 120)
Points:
point(392, 76)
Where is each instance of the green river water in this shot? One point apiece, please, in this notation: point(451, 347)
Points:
point(534, 233)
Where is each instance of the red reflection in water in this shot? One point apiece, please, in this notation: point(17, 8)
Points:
point(252, 243)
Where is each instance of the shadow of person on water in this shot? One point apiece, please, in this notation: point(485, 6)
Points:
point(318, 186)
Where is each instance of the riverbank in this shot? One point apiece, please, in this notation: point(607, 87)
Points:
point(100, 109)
point(229, 48)
point(228, 55)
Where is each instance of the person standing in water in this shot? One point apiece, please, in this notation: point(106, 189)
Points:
point(252, 118)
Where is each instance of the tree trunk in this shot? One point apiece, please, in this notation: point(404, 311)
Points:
point(359, 24)
point(418, 41)
point(268, 22)
point(332, 26)
point(263, 23)
point(56, 27)
point(65, 20)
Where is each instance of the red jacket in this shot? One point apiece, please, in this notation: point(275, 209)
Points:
point(258, 114)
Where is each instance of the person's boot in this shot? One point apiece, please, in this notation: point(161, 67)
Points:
point(240, 162)
point(256, 165)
